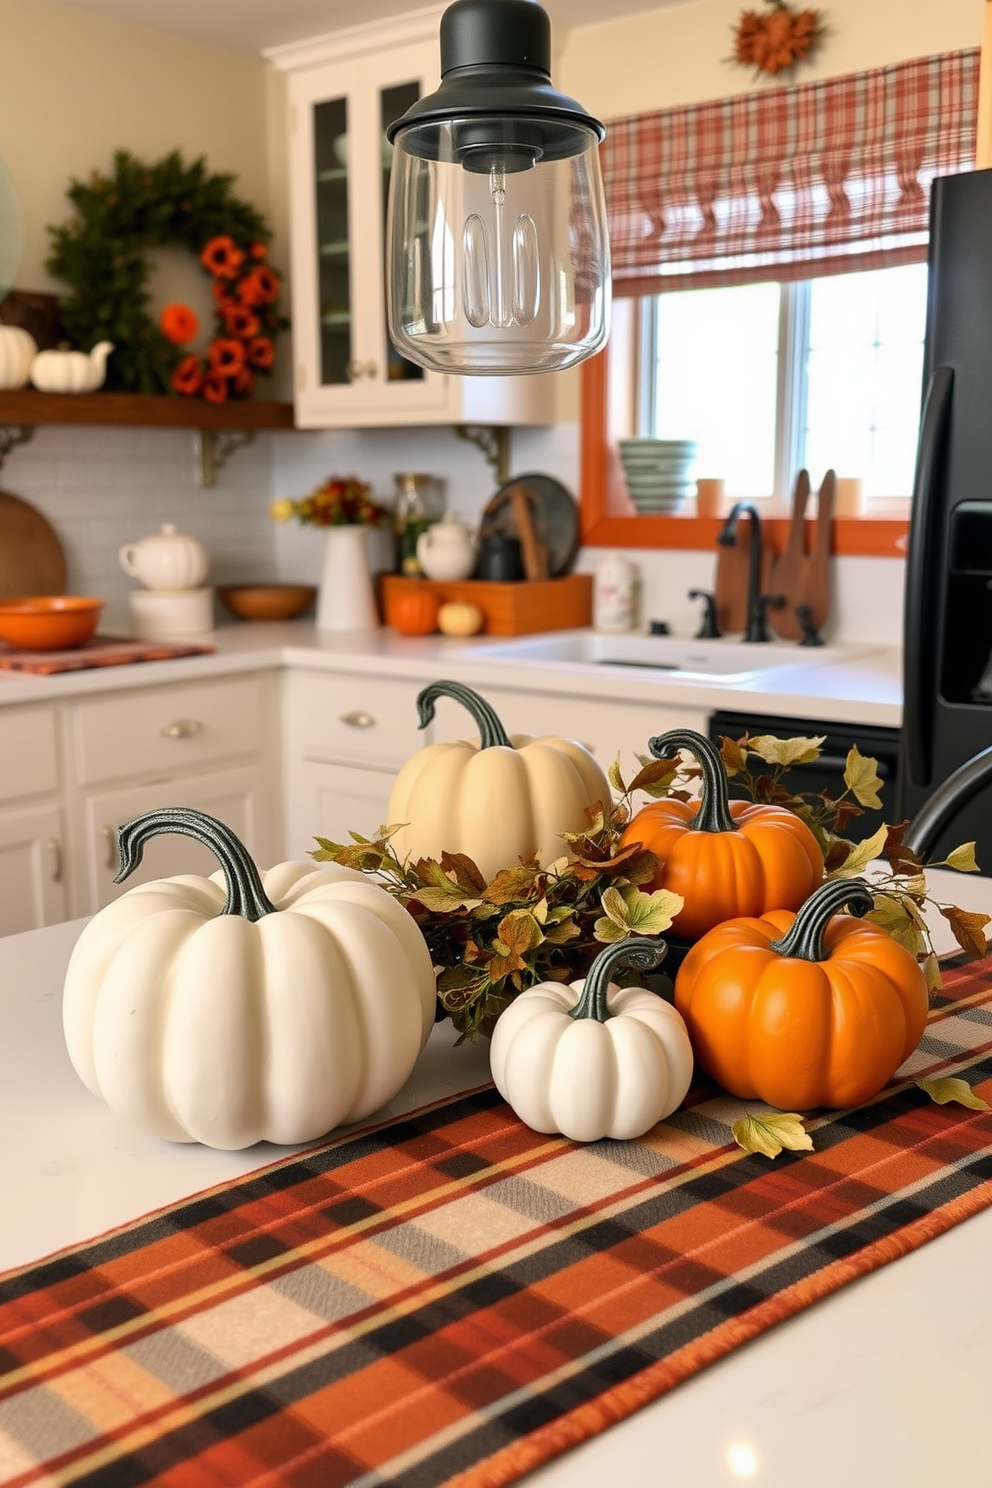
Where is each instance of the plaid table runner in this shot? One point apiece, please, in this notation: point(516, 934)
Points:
point(453, 1299)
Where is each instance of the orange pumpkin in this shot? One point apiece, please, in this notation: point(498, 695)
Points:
point(724, 857)
point(803, 1010)
point(412, 609)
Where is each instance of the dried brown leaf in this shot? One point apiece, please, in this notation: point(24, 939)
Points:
point(968, 928)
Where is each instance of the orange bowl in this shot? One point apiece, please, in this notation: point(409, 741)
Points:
point(267, 601)
point(54, 622)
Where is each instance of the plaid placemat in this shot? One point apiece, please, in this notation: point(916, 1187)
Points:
point(453, 1299)
point(100, 651)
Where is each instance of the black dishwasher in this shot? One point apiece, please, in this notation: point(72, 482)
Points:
point(826, 773)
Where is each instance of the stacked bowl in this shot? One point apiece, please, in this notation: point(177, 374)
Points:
point(657, 472)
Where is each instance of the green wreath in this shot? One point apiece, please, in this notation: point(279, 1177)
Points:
point(100, 254)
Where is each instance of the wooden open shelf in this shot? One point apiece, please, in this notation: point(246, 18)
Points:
point(141, 410)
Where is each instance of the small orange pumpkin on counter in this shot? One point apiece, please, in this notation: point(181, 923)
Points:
point(412, 609)
point(803, 1010)
point(726, 858)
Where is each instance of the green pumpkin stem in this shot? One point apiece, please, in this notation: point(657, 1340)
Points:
point(804, 939)
point(714, 809)
point(491, 731)
point(640, 952)
point(245, 895)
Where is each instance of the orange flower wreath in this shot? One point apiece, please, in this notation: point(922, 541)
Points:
point(775, 42)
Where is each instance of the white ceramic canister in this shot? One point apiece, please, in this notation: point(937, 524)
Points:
point(166, 560)
point(171, 614)
point(614, 594)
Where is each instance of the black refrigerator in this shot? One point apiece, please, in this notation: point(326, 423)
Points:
point(948, 610)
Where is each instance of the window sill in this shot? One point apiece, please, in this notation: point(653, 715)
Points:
point(608, 523)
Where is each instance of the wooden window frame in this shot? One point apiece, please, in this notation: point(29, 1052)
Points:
point(609, 520)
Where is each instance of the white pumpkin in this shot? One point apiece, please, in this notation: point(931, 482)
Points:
point(17, 351)
point(593, 1060)
point(499, 798)
point(242, 1007)
point(71, 371)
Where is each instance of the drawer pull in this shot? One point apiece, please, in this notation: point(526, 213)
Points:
point(358, 719)
point(183, 728)
point(55, 848)
point(110, 859)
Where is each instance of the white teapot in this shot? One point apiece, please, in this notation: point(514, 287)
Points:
point(166, 560)
point(447, 550)
point(71, 371)
point(17, 351)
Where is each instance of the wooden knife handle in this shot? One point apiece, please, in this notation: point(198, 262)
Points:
point(535, 554)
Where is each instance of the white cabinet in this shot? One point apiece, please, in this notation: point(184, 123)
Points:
point(32, 836)
point(344, 738)
point(343, 90)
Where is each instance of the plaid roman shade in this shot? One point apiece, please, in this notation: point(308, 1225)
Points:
point(788, 183)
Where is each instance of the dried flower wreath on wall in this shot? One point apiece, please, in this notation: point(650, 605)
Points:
point(775, 41)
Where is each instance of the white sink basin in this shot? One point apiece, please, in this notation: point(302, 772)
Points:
point(724, 660)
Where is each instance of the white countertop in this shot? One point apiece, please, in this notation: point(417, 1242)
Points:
point(859, 684)
point(860, 1389)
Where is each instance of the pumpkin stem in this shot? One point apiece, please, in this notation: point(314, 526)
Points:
point(714, 811)
point(245, 895)
point(640, 952)
point(804, 938)
point(491, 731)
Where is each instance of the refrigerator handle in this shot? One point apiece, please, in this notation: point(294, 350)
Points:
point(922, 571)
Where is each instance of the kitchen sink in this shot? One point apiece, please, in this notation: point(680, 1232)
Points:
point(724, 660)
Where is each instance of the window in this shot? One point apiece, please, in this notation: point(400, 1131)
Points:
point(768, 378)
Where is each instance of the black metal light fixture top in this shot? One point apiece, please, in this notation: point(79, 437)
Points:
point(496, 61)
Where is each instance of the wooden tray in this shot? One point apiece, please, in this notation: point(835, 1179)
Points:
point(521, 608)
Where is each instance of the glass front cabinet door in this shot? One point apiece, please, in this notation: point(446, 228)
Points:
point(343, 91)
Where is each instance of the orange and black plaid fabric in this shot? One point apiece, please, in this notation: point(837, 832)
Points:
point(452, 1299)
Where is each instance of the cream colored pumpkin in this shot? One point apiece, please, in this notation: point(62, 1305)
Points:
point(242, 1007)
point(499, 798)
point(458, 618)
point(593, 1060)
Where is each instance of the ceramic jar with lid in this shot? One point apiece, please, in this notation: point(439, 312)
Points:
point(166, 560)
point(447, 550)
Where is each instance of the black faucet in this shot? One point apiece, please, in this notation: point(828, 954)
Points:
point(757, 603)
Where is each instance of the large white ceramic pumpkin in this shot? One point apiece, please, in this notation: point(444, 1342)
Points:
point(497, 798)
point(243, 1007)
point(591, 1059)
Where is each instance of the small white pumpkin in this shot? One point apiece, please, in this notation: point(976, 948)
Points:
point(71, 371)
point(499, 798)
point(242, 1007)
point(593, 1060)
point(17, 351)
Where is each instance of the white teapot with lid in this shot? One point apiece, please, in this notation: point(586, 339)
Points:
point(166, 560)
point(447, 550)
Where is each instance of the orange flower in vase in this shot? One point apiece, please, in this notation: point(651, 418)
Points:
point(187, 378)
point(222, 257)
point(178, 324)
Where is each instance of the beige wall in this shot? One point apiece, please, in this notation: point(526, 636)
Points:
point(77, 85)
point(679, 54)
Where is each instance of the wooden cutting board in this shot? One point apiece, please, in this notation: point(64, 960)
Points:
point(31, 556)
point(788, 574)
point(818, 579)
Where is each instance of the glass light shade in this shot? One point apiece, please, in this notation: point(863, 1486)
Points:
point(499, 253)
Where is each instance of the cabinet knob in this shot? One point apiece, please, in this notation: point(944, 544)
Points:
point(357, 370)
point(55, 848)
point(110, 859)
point(183, 728)
point(358, 719)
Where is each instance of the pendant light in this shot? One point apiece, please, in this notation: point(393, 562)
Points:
point(498, 255)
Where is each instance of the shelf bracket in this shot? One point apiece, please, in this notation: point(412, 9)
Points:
point(214, 447)
point(494, 442)
point(11, 435)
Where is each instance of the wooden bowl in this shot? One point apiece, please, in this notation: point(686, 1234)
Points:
point(267, 601)
point(56, 622)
